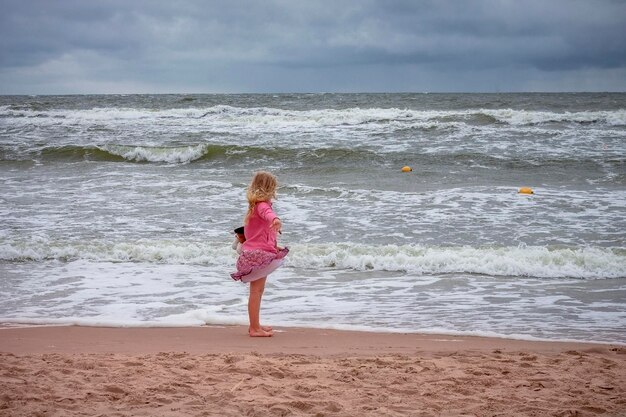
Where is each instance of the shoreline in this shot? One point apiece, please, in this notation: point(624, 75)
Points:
point(41, 339)
point(221, 371)
point(5, 325)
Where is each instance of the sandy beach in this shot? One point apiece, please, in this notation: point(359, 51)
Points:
point(220, 371)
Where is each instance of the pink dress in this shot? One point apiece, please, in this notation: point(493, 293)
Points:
point(259, 256)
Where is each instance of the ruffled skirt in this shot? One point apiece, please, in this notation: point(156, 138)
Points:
point(255, 264)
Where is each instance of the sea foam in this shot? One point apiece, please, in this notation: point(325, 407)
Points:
point(522, 261)
point(276, 118)
point(173, 155)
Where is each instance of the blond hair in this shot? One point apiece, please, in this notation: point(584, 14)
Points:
point(262, 188)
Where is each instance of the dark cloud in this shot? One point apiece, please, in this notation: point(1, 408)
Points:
point(204, 46)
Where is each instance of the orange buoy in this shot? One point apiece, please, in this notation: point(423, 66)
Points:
point(526, 190)
point(407, 169)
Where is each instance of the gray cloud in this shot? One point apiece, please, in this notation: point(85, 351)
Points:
point(222, 46)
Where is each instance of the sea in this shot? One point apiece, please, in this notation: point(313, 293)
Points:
point(119, 210)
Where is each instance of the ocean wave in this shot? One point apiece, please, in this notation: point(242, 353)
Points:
point(172, 155)
point(166, 252)
point(522, 261)
point(303, 155)
point(524, 117)
point(126, 153)
point(224, 115)
point(529, 261)
point(119, 153)
point(190, 153)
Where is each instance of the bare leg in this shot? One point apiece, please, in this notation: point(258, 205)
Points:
point(254, 309)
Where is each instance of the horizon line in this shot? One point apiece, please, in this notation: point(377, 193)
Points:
point(314, 93)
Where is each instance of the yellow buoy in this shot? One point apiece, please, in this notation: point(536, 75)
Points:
point(526, 190)
point(407, 169)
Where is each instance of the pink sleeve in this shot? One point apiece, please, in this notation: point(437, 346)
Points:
point(265, 212)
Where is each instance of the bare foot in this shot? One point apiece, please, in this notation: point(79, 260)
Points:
point(265, 328)
point(260, 333)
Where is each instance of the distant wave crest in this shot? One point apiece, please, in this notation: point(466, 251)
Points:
point(188, 153)
point(282, 118)
point(298, 154)
point(123, 153)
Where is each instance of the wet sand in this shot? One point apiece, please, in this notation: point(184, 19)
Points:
point(220, 371)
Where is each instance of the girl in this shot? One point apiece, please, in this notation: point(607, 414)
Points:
point(260, 254)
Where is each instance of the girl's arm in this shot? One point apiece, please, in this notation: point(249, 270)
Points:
point(266, 213)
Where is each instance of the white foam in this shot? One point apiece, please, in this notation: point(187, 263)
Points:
point(479, 214)
point(526, 117)
point(169, 252)
point(131, 294)
point(274, 118)
point(521, 261)
point(154, 135)
point(172, 155)
point(204, 318)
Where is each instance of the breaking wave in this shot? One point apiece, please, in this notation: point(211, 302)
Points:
point(258, 116)
point(302, 155)
point(522, 261)
point(187, 153)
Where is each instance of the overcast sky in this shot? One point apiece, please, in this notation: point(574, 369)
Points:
point(230, 46)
